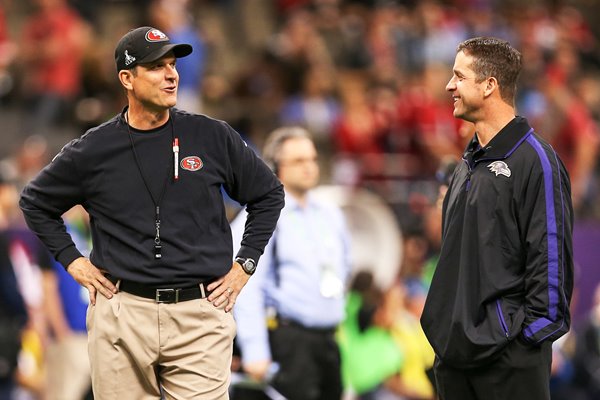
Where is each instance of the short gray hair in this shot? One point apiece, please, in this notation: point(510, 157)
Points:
point(276, 139)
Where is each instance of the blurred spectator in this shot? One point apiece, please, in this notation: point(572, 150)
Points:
point(558, 45)
point(587, 88)
point(425, 113)
point(253, 99)
point(586, 360)
point(175, 19)
point(426, 130)
point(403, 305)
point(52, 46)
point(286, 6)
point(96, 101)
point(481, 19)
point(568, 123)
point(443, 27)
point(343, 29)
point(432, 220)
point(383, 43)
point(276, 75)
point(13, 314)
point(68, 374)
point(314, 107)
point(9, 196)
point(297, 293)
point(29, 158)
point(360, 133)
point(562, 385)
point(8, 53)
point(360, 129)
point(296, 47)
point(415, 248)
point(25, 256)
point(370, 355)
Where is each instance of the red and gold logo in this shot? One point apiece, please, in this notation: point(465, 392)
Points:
point(154, 35)
point(191, 163)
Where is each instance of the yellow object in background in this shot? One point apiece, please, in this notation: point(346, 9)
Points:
point(30, 370)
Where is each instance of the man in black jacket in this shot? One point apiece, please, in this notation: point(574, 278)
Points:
point(501, 291)
point(151, 180)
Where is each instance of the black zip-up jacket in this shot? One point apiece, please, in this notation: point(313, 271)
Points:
point(505, 270)
point(99, 171)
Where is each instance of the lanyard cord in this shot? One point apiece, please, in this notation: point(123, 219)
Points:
point(157, 243)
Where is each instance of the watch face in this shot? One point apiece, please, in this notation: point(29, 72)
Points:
point(249, 266)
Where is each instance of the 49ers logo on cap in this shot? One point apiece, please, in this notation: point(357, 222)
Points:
point(191, 163)
point(154, 35)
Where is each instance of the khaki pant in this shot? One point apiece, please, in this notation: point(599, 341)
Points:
point(139, 348)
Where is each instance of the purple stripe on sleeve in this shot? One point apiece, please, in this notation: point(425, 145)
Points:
point(552, 231)
point(536, 326)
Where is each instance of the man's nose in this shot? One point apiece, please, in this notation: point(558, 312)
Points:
point(172, 72)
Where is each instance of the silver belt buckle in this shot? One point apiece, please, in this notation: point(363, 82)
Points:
point(170, 295)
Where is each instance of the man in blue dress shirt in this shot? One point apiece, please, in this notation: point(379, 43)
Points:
point(288, 312)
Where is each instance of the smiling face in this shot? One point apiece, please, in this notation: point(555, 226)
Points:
point(467, 92)
point(154, 85)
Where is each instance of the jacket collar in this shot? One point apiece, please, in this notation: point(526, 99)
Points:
point(503, 144)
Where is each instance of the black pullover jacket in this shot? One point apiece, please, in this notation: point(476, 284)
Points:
point(99, 171)
point(505, 269)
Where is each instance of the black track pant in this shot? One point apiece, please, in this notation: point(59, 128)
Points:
point(522, 372)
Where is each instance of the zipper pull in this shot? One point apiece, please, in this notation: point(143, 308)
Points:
point(468, 180)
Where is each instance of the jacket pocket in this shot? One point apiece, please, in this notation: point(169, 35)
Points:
point(501, 318)
point(511, 314)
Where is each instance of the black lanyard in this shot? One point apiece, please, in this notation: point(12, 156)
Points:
point(157, 243)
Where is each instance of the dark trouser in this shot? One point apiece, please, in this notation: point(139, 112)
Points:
point(522, 372)
point(6, 389)
point(309, 363)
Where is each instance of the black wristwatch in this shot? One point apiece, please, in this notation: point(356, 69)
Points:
point(248, 264)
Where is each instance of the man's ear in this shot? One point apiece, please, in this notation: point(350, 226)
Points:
point(126, 77)
point(490, 86)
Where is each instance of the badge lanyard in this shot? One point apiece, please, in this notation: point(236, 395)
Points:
point(175, 141)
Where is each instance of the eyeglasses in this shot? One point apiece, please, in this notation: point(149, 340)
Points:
point(296, 162)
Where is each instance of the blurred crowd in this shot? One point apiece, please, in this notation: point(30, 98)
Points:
point(367, 78)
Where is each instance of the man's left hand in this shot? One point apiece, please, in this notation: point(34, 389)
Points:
point(228, 287)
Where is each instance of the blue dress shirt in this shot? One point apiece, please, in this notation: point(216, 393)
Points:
point(309, 241)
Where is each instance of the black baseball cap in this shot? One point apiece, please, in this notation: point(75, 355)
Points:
point(146, 44)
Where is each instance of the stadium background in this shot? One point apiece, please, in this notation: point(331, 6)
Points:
point(366, 77)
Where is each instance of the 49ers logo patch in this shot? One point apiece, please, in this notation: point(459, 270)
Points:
point(154, 35)
point(191, 163)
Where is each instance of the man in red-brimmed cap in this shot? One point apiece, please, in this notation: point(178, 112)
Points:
point(162, 257)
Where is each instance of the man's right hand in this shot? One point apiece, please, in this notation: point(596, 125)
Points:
point(92, 278)
point(257, 370)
